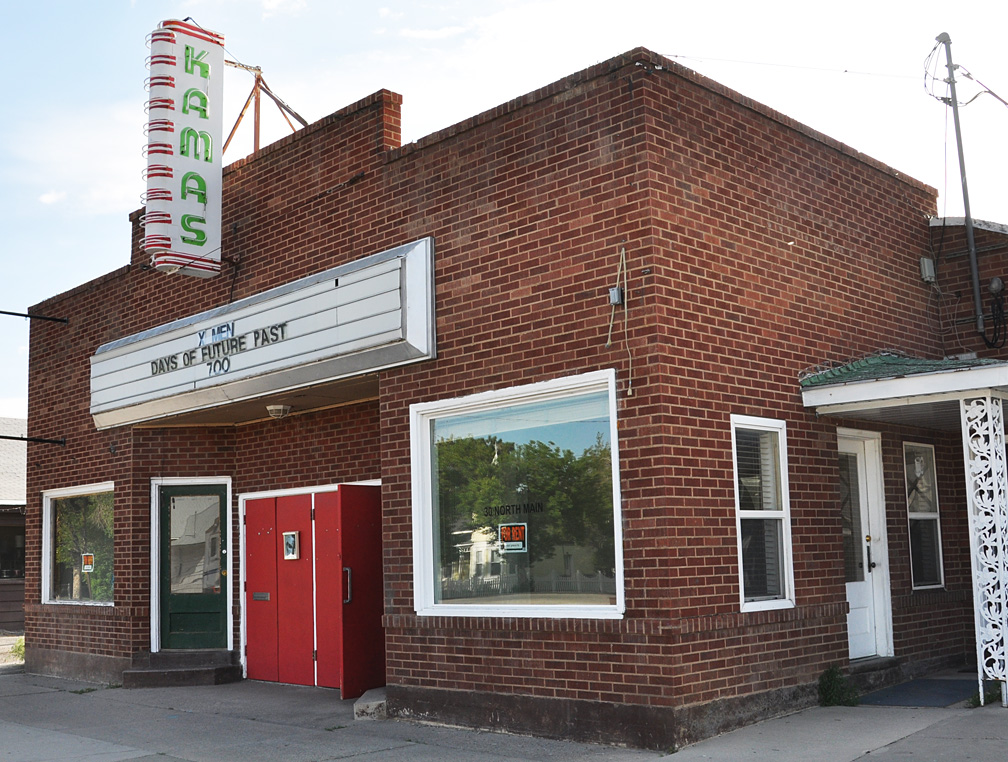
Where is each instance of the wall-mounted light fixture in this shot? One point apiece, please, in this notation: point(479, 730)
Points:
point(278, 411)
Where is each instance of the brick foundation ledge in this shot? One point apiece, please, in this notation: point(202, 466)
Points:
point(636, 725)
point(90, 668)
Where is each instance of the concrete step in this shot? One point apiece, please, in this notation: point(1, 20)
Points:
point(175, 668)
point(371, 706)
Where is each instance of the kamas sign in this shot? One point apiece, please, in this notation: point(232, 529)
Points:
point(182, 223)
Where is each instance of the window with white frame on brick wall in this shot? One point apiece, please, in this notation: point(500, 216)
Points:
point(516, 502)
point(77, 544)
point(762, 513)
point(926, 566)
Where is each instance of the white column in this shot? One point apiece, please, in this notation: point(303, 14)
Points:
point(987, 508)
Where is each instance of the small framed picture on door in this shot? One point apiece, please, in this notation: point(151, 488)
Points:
point(291, 546)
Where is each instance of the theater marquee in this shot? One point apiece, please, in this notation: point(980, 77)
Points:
point(374, 313)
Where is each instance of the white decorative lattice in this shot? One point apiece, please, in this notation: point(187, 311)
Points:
point(987, 503)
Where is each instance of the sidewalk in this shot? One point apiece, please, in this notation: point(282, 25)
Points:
point(875, 733)
point(59, 720)
point(52, 720)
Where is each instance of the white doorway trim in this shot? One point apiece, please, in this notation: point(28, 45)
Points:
point(155, 536)
point(874, 489)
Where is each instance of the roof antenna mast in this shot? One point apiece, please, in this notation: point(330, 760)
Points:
point(260, 86)
point(944, 39)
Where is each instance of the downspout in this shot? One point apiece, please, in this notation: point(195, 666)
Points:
point(944, 39)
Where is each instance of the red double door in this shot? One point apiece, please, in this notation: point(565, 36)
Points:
point(313, 589)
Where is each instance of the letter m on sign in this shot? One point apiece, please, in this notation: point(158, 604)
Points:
point(196, 144)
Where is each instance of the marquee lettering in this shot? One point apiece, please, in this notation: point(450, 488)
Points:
point(195, 100)
point(194, 60)
point(193, 183)
point(217, 345)
point(197, 236)
point(190, 142)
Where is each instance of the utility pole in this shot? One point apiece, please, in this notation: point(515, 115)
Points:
point(944, 39)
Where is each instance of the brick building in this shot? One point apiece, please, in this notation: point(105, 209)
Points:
point(631, 515)
point(12, 523)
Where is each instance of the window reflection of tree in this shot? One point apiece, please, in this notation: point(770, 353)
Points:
point(83, 524)
point(565, 498)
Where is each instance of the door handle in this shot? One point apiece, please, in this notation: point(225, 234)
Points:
point(349, 584)
point(871, 564)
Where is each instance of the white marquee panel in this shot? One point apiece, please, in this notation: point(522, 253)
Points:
point(380, 306)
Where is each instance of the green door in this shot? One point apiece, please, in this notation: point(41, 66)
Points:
point(194, 569)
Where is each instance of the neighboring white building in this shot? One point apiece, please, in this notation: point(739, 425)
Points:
point(13, 470)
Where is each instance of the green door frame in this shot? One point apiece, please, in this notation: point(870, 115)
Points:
point(193, 620)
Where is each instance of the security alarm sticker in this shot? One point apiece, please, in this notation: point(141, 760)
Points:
point(292, 546)
point(87, 562)
point(512, 538)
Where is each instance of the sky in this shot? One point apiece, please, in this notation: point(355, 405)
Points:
point(72, 78)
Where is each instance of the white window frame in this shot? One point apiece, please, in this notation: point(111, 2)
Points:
point(47, 549)
point(787, 599)
point(917, 515)
point(422, 416)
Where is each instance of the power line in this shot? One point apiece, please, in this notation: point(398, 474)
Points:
point(703, 59)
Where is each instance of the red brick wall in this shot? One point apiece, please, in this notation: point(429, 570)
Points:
point(951, 314)
point(756, 248)
point(286, 217)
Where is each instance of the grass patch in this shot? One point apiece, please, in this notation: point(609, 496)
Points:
point(18, 649)
point(992, 695)
point(835, 689)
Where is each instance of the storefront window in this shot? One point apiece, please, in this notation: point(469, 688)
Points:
point(77, 544)
point(763, 513)
point(517, 501)
point(12, 544)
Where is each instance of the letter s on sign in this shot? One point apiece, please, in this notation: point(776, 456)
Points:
point(197, 237)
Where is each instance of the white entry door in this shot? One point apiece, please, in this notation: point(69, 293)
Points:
point(866, 556)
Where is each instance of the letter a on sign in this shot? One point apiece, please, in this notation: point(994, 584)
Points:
point(182, 224)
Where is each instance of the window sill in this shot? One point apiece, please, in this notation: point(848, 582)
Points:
point(523, 612)
point(773, 605)
point(93, 604)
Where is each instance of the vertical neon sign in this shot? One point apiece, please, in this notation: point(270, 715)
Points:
point(182, 222)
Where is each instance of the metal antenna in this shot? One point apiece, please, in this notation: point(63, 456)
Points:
point(944, 39)
point(259, 86)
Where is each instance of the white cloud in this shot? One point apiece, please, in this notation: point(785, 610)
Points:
point(13, 407)
point(443, 33)
point(281, 7)
point(92, 163)
point(52, 197)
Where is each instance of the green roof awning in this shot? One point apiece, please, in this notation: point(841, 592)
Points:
point(895, 388)
point(886, 365)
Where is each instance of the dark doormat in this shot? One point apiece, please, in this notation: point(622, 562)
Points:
point(923, 692)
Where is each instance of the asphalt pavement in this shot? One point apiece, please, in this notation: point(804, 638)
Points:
point(56, 720)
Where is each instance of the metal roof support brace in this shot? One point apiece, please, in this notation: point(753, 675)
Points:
point(34, 317)
point(945, 40)
point(60, 442)
point(260, 86)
